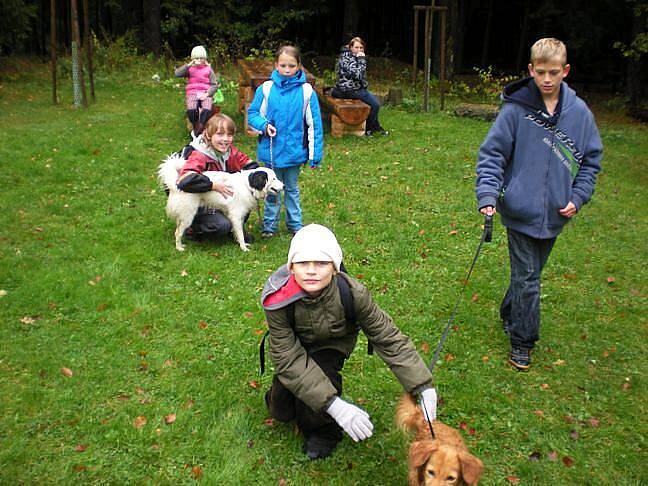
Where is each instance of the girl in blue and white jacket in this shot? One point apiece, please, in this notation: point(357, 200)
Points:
point(286, 112)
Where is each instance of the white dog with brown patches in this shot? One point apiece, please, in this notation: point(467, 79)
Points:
point(249, 186)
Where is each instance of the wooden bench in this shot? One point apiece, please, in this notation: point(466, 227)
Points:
point(348, 117)
point(252, 74)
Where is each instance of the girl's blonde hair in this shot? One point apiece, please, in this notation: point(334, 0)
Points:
point(357, 39)
point(548, 49)
point(218, 123)
point(288, 50)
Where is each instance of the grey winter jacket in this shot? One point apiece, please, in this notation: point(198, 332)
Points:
point(320, 324)
point(533, 164)
point(351, 71)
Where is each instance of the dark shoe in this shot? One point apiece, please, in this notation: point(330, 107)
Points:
point(248, 238)
point(368, 133)
point(382, 131)
point(319, 447)
point(267, 234)
point(520, 358)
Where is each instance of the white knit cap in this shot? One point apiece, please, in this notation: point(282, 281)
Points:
point(198, 52)
point(315, 243)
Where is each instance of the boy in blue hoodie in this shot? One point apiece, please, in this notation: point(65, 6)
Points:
point(537, 168)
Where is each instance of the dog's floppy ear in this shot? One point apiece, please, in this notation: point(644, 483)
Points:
point(258, 179)
point(420, 451)
point(471, 468)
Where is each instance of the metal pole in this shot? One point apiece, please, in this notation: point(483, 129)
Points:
point(415, 59)
point(428, 37)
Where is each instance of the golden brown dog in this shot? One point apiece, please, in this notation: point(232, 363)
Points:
point(444, 460)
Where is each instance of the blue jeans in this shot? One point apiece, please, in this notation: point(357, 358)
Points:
point(366, 97)
point(521, 305)
point(272, 207)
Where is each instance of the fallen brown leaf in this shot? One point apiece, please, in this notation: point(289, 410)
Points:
point(568, 461)
point(203, 325)
point(139, 422)
point(80, 447)
point(253, 384)
point(544, 386)
point(67, 372)
point(611, 280)
point(513, 479)
point(552, 455)
point(248, 314)
point(593, 422)
point(196, 472)
point(425, 347)
point(184, 273)
point(169, 419)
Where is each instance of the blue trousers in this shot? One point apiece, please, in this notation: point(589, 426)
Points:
point(521, 305)
point(272, 207)
point(366, 97)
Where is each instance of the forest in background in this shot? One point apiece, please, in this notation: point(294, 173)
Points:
point(607, 39)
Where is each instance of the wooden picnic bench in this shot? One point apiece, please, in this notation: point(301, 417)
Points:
point(252, 74)
point(348, 117)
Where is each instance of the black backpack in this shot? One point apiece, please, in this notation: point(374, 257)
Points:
point(349, 314)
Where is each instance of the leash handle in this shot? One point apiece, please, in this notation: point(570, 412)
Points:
point(488, 228)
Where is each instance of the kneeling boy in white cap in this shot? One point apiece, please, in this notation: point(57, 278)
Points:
point(311, 337)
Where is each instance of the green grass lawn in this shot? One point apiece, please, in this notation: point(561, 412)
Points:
point(90, 281)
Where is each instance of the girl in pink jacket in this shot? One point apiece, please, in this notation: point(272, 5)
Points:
point(201, 86)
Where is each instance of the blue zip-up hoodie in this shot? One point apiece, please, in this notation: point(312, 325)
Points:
point(299, 138)
point(532, 164)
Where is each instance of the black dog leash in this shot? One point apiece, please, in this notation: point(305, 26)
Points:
point(487, 236)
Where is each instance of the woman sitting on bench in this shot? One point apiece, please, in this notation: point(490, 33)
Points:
point(352, 82)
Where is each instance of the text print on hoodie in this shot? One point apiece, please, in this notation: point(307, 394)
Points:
point(533, 164)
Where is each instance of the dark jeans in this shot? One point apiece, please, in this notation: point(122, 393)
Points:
point(210, 224)
point(366, 97)
point(284, 406)
point(521, 304)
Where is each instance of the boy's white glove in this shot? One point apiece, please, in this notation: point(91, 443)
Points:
point(429, 403)
point(352, 419)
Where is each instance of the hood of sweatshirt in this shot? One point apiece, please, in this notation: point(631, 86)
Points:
point(281, 289)
point(288, 81)
point(524, 92)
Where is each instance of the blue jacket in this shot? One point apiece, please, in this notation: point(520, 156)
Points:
point(532, 164)
point(299, 131)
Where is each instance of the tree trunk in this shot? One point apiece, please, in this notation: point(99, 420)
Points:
point(77, 64)
point(520, 62)
point(350, 22)
point(87, 44)
point(53, 48)
point(489, 20)
point(152, 26)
